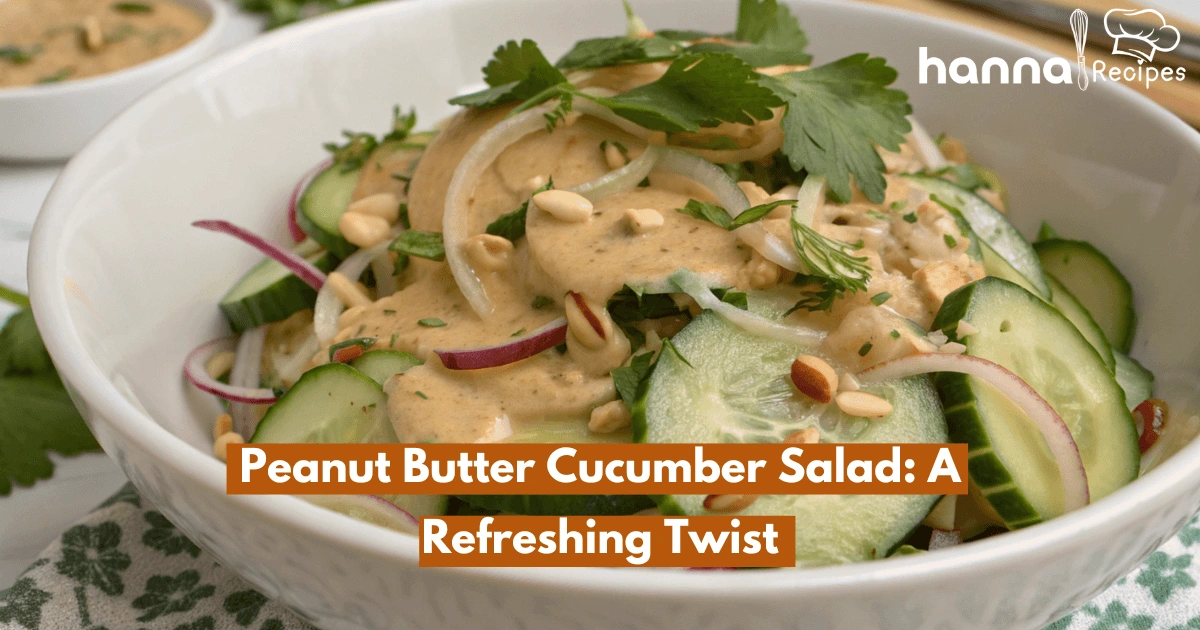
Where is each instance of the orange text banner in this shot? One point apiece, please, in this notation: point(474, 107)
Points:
point(597, 469)
point(608, 541)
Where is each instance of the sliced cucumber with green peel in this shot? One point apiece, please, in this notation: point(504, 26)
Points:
point(1066, 303)
point(1008, 459)
point(330, 404)
point(990, 225)
point(322, 205)
point(561, 505)
point(381, 365)
point(995, 265)
point(270, 293)
point(1097, 283)
point(1135, 380)
point(738, 389)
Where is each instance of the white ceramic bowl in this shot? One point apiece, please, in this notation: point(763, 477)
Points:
point(52, 121)
point(122, 288)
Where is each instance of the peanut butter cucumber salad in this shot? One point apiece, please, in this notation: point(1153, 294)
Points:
point(682, 237)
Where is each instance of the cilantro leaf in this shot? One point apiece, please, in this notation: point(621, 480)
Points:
point(427, 245)
point(402, 125)
point(629, 306)
point(21, 348)
point(774, 35)
point(512, 225)
point(38, 417)
point(697, 91)
point(16, 298)
point(719, 216)
point(836, 115)
point(516, 72)
point(610, 51)
point(628, 378)
point(736, 298)
point(755, 213)
point(354, 153)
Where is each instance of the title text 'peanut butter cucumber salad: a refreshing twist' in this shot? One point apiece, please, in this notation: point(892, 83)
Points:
point(677, 236)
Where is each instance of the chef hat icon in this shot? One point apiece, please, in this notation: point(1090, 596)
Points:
point(1139, 33)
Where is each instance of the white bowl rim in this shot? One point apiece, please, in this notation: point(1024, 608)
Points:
point(77, 368)
point(216, 27)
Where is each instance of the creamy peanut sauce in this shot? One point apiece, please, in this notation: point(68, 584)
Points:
point(903, 239)
point(46, 41)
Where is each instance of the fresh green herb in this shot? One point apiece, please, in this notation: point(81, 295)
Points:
point(895, 334)
point(360, 145)
point(404, 178)
point(518, 333)
point(877, 215)
point(866, 347)
point(512, 225)
point(819, 297)
point(517, 71)
point(859, 244)
point(736, 298)
point(18, 55)
point(388, 311)
point(57, 77)
point(431, 322)
point(1046, 233)
point(610, 51)
point(417, 243)
point(969, 176)
point(402, 125)
point(772, 32)
point(911, 217)
point(541, 302)
point(133, 7)
point(830, 260)
point(837, 114)
point(628, 379)
point(404, 221)
point(361, 342)
point(670, 347)
point(720, 217)
point(422, 394)
point(629, 306)
point(951, 242)
point(392, 341)
point(38, 413)
point(899, 205)
point(880, 298)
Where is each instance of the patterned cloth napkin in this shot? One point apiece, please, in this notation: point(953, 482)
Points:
point(126, 566)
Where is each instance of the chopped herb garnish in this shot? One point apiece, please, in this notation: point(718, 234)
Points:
point(951, 242)
point(388, 311)
point(720, 217)
point(133, 7)
point(518, 333)
point(628, 379)
point(877, 215)
point(911, 217)
point(18, 55)
point(392, 342)
point(57, 77)
point(404, 178)
point(899, 205)
point(422, 394)
point(736, 298)
point(880, 298)
point(819, 295)
point(404, 217)
point(830, 260)
point(431, 322)
point(426, 245)
point(629, 306)
point(402, 125)
point(360, 145)
point(512, 225)
point(866, 347)
point(542, 301)
point(895, 334)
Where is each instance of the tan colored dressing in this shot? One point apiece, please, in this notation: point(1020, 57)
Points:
point(48, 41)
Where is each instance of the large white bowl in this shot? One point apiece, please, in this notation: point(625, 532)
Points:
point(122, 288)
point(52, 121)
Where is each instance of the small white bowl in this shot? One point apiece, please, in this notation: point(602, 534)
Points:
point(122, 288)
point(52, 121)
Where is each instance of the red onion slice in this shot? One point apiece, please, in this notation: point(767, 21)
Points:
point(194, 368)
point(293, 226)
point(303, 269)
point(537, 341)
point(1054, 430)
point(370, 509)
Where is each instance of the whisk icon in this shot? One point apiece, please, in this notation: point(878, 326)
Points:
point(1079, 28)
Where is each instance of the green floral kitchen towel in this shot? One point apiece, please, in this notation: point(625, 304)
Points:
point(126, 566)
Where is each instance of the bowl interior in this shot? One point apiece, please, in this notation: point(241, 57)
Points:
point(124, 287)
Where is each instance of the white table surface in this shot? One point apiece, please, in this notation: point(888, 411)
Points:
point(31, 518)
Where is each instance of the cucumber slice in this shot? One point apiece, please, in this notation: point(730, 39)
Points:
point(561, 505)
point(991, 226)
point(270, 293)
point(1135, 380)
point(381, 365)
point(322, 205)
point(738, 389)
point(995, 265)
point(1066, 303)
point(1009, 461)
point(330, 404)
point(419, 504)
point(1097, 283)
